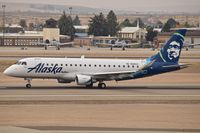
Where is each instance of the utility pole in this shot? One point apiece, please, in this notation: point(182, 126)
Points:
point(70, 11)
point(3, 26)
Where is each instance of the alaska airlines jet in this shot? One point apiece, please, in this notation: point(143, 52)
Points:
point(119, 44)
point(89, 71)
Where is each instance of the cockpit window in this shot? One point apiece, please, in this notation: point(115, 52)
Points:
point(24, 63)
point(21, 63)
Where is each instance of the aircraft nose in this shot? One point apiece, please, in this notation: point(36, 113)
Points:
point(8, 72)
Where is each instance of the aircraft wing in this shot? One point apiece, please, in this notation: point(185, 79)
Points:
point(66, 44)
point(41, 43)
point(120, 75)
point(194, 44)
point(117, 45)
point(105, 44)
point(131, 44)
point(190, 44)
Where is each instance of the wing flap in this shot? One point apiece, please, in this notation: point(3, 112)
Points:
point(111, 75)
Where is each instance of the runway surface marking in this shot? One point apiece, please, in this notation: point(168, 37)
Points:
point(108, 129)
point(3, 96)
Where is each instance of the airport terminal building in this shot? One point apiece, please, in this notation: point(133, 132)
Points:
point(30, 38)
point(192, 36)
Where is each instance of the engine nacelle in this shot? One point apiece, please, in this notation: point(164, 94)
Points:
point(63, 81)
point(83, 79)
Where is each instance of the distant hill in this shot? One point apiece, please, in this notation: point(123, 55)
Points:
point(50, 8)
point(47, 8)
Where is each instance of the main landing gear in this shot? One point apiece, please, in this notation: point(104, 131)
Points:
point(45, 47)
point(28, 85)
point(58, 48)
point(89, 86)
point(101, 85)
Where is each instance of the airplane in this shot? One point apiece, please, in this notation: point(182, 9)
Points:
point(86, 72)
point(119, 44)
point(54, 43)
point(188, 45)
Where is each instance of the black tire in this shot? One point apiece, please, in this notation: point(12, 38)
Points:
point(89, 86)
point(102, 85)
point(28, 85)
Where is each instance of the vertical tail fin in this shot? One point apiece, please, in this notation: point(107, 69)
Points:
point(172, 49)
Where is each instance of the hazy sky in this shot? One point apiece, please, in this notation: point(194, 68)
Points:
point(131, 5)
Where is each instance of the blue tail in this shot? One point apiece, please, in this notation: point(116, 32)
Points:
point(171, 51)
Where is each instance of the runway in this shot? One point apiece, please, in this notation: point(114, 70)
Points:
point(147, 108)
point(118, 95)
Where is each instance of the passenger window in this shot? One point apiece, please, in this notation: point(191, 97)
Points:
point(65, 64)
point(99, 65)
point(80, 65)
point(70, 64)
point(75, 64)
point(85, 65)
point(113, 65)
point(61, 64)
point(123, 65)
point(89, 65)
point(104, 65)
point(119, 66)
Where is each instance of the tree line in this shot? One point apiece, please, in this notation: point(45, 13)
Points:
point(101, 25)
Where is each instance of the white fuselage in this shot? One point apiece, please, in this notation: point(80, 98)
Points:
point(68, 68)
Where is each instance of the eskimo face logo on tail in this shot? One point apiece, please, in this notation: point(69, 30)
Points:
point(173, 50)
point(40, 68)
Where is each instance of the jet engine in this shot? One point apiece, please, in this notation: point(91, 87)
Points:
point(83, 79)
point(63, 81)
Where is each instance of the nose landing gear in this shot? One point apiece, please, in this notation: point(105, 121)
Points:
point(28, 85)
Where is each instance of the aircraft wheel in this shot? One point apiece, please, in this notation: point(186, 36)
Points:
point(102, 85)
point(89, 86)
point(28, 85)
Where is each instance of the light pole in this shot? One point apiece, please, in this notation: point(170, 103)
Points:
point(70, 11)
point(3, 26)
